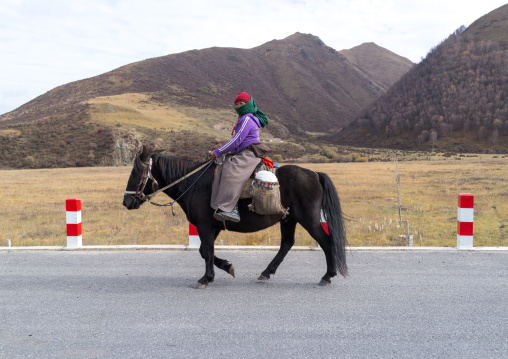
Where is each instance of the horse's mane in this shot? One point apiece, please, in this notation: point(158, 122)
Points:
point(173, 168)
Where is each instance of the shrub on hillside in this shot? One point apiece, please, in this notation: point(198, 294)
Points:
point(277, 158)
point(343, 158)
point(28, 161)
point(329, 152)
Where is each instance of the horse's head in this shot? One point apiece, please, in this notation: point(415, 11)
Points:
point(141, 182)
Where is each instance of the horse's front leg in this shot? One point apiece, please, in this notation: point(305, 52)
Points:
point(206, 251)
point(225, 265)
point(220, 263)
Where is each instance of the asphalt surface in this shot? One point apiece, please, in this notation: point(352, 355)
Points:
point(143, 304)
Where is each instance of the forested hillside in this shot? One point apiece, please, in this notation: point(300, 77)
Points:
point(459, 90)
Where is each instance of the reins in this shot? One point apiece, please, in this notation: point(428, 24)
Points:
point(147, 197)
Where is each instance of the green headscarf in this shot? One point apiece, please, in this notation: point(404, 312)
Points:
point(250, 107)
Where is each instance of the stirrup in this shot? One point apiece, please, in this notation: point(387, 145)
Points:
point(232, 216)
point(217, 215)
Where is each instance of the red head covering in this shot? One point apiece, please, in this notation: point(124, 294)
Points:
point(242, 96)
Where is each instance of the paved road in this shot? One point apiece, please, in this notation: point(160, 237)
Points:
point(142, 304)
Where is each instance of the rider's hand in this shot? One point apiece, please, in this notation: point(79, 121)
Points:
point(211, 155)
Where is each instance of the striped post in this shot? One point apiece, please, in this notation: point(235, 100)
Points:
point(194, 240)
point(73, 219)
point(465, 221)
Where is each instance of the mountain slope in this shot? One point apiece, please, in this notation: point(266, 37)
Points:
point(184, 101)
point(455, 99)
point(292, 78)
point(491, 27)
point(384, 66)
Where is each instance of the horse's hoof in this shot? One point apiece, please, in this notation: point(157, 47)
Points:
point(200, 286)
point(232, 270)
point(263, 278)
point(324, 283)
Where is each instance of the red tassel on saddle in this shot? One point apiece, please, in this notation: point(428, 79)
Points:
point(268, 163)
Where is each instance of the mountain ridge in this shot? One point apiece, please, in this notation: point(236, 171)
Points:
point(294, 54)
point(385, 73)
point(303, 85)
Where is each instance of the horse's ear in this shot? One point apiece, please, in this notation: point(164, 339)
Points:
point(144, 153)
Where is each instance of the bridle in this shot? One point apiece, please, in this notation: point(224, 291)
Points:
point(140, 197)
point(145, 176)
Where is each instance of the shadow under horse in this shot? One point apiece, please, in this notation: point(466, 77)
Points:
point(303, 191)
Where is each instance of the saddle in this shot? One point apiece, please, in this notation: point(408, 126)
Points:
point(265, 193)
point(265, 165)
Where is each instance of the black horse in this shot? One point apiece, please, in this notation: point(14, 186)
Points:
point(303, 191)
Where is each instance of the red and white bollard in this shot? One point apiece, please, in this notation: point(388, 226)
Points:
point(194, 240)
point(73, 219)
point(465, 221)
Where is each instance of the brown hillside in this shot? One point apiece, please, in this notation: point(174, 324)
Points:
point(183, 102)
point(384, 66)
point(299, 81)
point(455, 99)
point(491, 27)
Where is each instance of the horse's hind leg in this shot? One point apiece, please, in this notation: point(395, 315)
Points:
point(287, 230)
point(317, 232)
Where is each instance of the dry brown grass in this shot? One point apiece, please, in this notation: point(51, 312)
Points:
point(138, 111)
point(32, 210)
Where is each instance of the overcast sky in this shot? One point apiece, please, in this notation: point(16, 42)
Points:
point(48, 43)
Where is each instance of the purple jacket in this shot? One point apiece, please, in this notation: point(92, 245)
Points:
point(246, 133)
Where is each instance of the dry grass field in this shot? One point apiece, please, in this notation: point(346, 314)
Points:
point(32, 210)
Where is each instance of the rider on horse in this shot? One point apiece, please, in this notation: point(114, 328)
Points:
point(240, 159)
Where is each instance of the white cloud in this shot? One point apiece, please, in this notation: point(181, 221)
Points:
point(49, 43)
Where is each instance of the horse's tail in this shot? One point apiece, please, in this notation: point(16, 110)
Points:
point(334, 218)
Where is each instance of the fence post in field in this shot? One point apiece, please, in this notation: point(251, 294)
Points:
point(409, 237)
point(73, 219)
point(397, 179)
point(194, 241)
point(465, 221)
